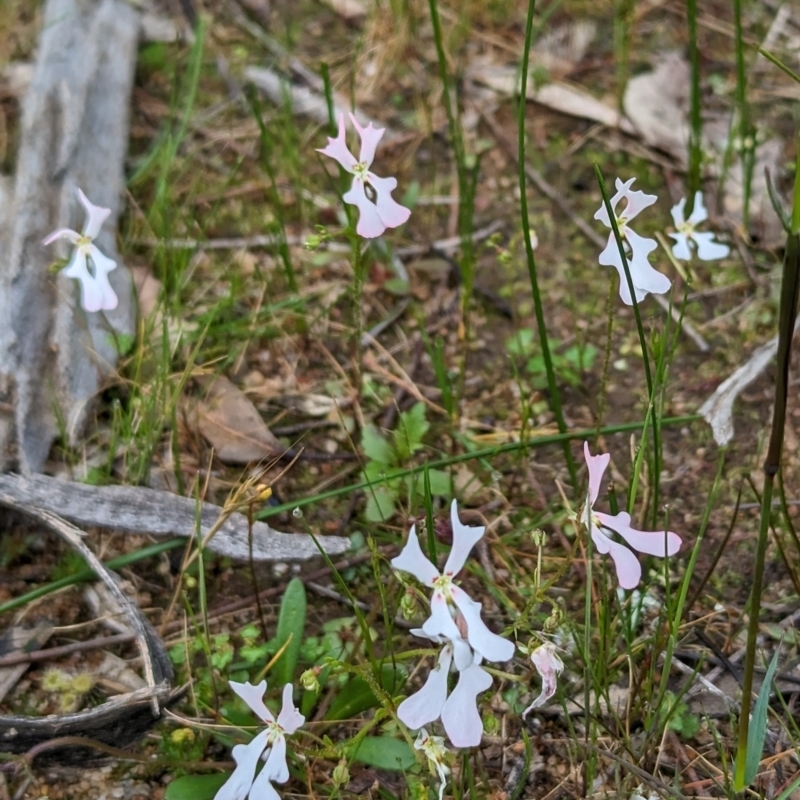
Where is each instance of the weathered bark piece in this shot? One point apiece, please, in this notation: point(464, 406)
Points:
point(148, 512)
point(120, 720)
point(717, 411)
point(74, 133)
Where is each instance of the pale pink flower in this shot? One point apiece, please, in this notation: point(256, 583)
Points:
point(377, 211)
point(654, 543)
point(447, 597)
point(459, 711)
point(269, 745)
point(707, 248)
point(645, 279)
point(549, 666)
point(96, 291)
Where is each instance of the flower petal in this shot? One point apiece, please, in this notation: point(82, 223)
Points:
point(699, 213)
point(549, 666)
point(412, 560)
point(369, 222)
point(370, 136)
point(462, 653)
point(597, 466)
point(62, 233)
point(654, 543)
point(290, 719)
point(102, 266)
point(678, 213)
point(95, 216)
point(629, 570)
point(610, 257)
point(636, 200)
point(491, 646)
point(246, 756)
point(681, 249)
point(338, 150)
point(91, 290)
point(464, 539)
point(262, 788)
point(602, 541)
point(644, 277)
point(389, 210)
point(440, 622)
point(275, 766)
point(426, 705)
point(708, 249)
point(460, 715)
point(254, 697)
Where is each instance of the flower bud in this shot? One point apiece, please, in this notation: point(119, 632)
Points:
point(309, 680)
point(408, 605)
point(341, 774)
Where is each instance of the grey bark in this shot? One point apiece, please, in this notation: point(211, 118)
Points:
point(74, 133)
point(135, 509)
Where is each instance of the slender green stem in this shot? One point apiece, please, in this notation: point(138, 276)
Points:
point(555, 397)
point(473, 455)
point(587, 667)
point(623, 15)
point(89, 575)
point(746, 128)
point(790, 288)
point(277, 206)
point(466, 176)
point(358, 309)
point(694, 177)
point(651, 395)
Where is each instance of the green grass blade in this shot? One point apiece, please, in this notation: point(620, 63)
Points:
point(555, 397)
point(757, 732)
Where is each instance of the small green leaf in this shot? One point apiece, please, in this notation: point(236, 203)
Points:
point(291, 623)
point(440, 483)
point(382, 752)
point(195, 787)
point(375, 447)
point(411, 429)
point(381, 502)
point(521, 343)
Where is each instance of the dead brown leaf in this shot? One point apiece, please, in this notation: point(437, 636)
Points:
point(231, 424)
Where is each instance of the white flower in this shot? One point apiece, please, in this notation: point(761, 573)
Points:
point(645, 279)
point(269, 745)
point(380, 211)
point(458, 711)
point(435, 751)
point(549, 666)
point(446, 594)
point(654, 543)
point(707, 248)
point(96, 291)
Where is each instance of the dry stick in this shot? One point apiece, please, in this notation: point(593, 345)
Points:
point(586, 229)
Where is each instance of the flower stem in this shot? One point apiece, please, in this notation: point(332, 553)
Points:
point(555, 398)
point(651, 395)
point(790, 287)
point(358, 310)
